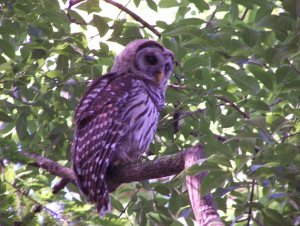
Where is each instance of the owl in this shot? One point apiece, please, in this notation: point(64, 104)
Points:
point(117, 117)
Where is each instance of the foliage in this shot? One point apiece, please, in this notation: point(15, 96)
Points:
point(237, 79)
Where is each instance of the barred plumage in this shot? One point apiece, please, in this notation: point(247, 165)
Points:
point(118, 115)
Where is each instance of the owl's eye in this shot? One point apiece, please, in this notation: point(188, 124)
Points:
point(151, 59)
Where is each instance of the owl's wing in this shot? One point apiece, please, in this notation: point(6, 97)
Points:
point(99, 129)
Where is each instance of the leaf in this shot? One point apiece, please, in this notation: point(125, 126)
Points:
point(258, 122)
point(162, 189)
point(258, 105)
point(167, 4)
point(90, 6)
point(152, 5)
point(76, 16)
point(7, 48)
point(286, 153)
point(53, 74)
point(254, 168)
point(244, 81)
point(101, 24)
point(21, 127)
point(137, 2)
point(278, 195)
point(4, 117)
point(228, 121)
point(273, 217)
point(193, 63)
point(250, 36)
point(200, 4)
point(212, 181)
point(265, 77)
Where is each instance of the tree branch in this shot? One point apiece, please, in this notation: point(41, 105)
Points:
point(51, 166)
point(134, 16)
point(226, 100)
point(126, 10)
point(204, 210)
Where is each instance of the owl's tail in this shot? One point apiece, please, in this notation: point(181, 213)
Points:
point(103, 201)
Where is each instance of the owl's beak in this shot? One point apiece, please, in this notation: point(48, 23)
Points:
point(159, 77)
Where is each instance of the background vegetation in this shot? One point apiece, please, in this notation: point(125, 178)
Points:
point(235, 89)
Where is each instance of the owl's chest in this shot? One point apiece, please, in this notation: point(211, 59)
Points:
point(142, 116)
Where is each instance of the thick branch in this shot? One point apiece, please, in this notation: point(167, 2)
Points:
point(125, 173)
point(203, 208)
point(52, 167)
point(138, 171)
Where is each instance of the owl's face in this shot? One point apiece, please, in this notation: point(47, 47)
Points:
point(147, 60)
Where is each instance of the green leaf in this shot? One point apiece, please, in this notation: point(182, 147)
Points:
point(244, 81)
point(137, 2)
point(265, 77)
point(53, 74)
point(229, 120)
point(101, 24)
point(7, 48)
point(76, 16)
point(273, 217)
point(4, 117)
point(194, 63)
point(152, 5)
point(21, 127)
point(200, 4)
point(167, 4)
point(258, 105)
point(250, 36)
point(212, 181)
point(286, 153)
point(162, 189)
point(90, 6)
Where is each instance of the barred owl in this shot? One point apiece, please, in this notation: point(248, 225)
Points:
point(118, 115)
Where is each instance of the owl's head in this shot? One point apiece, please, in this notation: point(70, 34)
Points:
point(146, 59)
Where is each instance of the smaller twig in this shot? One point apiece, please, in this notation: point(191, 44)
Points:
point(60, 185)
point(287, 133)
point(176, 116)
point(250, 202)
point(293, 66)
point(213, 15)
point(182, 116)
point(122, 10)
point(38, 206)
point(134, 16)
point(126, 207)
point(225, 99)
point(177, 86)
point(74, 2)
point(277, 101)
point(242, 220)
point(291, 135)
point(244, 14)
